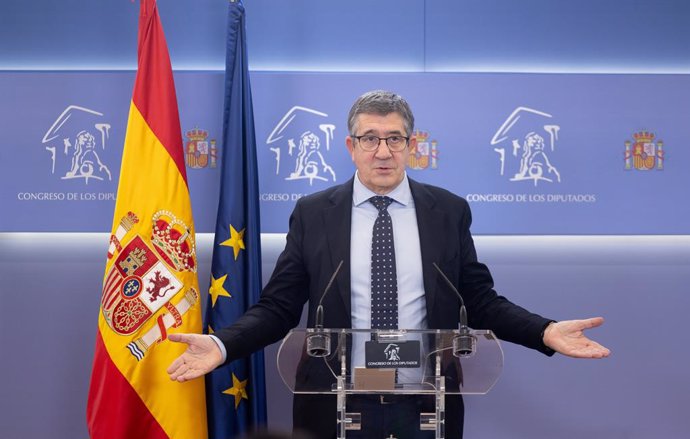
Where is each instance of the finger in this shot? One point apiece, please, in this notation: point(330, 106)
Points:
point(591, 323)
point(179, 375)
point(190, 374)
point(184, 373)
point(175, 366)
point(600, 351)
point(590, 349)
point(180, 338)
point(595, 353)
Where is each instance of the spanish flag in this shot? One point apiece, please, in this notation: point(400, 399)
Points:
point(150, 286)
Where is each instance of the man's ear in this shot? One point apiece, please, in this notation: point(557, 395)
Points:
point(349, 142)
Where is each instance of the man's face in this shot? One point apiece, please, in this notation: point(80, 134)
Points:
point(380, 170)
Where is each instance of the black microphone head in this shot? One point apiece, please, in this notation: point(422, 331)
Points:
point(463, 317)
point(319, 317)
point(465, 343)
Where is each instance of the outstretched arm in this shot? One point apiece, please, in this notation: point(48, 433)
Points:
point(202, 356)
point(568, 338)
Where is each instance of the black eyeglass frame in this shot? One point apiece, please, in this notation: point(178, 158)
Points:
point(407, 142)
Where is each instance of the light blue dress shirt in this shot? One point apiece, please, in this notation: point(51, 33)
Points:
point(408, 260)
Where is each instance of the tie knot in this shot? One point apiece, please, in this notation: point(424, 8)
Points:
point(381, 202)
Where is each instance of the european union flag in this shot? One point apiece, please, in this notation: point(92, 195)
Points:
point(236, 396)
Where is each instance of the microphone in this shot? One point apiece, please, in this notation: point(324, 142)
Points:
point(465, 343)
point(319, 343)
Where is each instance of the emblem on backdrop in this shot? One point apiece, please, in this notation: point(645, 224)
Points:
point(301, 143)
point(526, 146)
point(200, 151)
point(76, 142)
point(643, 153)
point(425, 154)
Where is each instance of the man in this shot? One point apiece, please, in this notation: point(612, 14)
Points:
point(347, 223)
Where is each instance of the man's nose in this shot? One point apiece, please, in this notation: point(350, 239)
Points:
point(383, 151)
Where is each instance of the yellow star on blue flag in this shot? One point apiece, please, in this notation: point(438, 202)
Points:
point(217, 289)
point(236, 241)
point(238, 390)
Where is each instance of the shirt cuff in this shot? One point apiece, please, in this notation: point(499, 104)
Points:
point(224, 353)
point(547, 350)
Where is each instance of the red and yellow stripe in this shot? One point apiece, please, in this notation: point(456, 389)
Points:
point(129, 398)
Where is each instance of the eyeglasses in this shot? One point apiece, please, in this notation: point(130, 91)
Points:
point(370, 142)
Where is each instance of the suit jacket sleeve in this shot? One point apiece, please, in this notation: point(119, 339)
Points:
point(280, 306)
point(489, 310)
point(458, 260)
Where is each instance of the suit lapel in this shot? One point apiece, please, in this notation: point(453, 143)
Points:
point(337, 223)
point(431, 222)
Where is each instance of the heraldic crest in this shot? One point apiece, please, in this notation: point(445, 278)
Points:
point(144, 278)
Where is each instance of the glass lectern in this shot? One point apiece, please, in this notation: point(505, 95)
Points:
point(346, 362)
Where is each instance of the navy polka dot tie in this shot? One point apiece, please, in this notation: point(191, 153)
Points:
point(384, 284)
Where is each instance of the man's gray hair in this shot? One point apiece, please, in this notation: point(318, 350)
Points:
point(382, 103)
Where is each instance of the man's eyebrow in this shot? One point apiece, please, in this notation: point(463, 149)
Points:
point(372, 131)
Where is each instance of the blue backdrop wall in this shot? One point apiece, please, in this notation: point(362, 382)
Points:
point(601, 87)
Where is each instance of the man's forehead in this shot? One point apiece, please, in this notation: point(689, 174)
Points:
point(390, 122)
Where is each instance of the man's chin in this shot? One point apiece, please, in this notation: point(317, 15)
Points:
point(385, 185)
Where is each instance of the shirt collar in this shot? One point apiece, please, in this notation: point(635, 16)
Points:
point(401, 194)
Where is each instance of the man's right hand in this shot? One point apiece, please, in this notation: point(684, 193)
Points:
point(201, 357)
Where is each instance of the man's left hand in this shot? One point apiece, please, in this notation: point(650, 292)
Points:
point(568, 338)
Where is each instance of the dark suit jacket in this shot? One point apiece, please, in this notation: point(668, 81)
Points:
point(319, 238)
